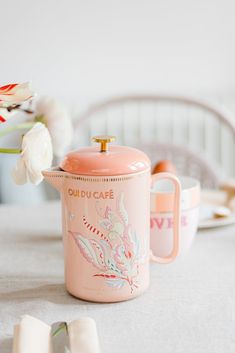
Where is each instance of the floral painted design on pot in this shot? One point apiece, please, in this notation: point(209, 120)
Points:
point(105, 195)
point(117, 254)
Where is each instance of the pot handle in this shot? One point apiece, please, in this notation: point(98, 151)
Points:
point(176, 218)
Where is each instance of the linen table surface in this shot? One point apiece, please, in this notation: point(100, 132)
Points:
point(189, 307)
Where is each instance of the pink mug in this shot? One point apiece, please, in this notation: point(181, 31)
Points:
point(162, 209)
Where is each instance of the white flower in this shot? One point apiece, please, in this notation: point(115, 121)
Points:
point(5, 115)
point(58, 122)
point(36, 155)
point(15, 93)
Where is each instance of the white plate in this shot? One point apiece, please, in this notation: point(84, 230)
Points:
point(210, 201)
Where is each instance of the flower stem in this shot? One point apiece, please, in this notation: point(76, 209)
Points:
point(16, 127)
point(10, 150)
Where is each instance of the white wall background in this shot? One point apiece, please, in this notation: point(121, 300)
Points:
point(83, 50)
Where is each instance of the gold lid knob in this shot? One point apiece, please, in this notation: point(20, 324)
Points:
point(103, 140)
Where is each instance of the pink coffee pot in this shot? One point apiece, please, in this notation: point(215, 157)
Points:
point(105, 195)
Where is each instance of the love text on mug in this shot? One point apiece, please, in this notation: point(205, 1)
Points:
point(165, 222)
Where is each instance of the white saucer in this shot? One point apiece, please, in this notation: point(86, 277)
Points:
point(210, 201)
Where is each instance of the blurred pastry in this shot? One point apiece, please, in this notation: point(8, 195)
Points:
point(164, 166)
point(229, 187)
point(221, 212)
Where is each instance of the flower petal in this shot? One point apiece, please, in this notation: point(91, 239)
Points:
point(15, 94)
point(19, 173)
point(36, 155)
point(58, 123)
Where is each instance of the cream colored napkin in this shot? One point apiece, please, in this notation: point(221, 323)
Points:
point(83, 336)
point(32, 336)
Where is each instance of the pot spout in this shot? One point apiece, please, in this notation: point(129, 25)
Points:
point(55, 177)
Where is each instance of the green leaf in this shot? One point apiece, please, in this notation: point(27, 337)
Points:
point(63, 326)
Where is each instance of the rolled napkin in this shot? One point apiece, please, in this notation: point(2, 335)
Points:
point(83, 336)
point(32, 336)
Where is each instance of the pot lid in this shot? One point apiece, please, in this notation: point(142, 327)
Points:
point(105, 160)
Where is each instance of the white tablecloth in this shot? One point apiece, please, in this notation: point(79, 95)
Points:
point(189, 307)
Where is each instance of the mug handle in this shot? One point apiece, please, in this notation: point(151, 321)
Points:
point(176, 218)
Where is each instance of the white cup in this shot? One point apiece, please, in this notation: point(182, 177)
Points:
point(161, 222)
